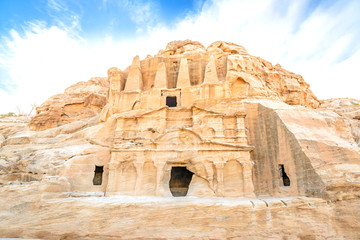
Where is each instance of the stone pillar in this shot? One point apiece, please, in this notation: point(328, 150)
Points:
point(247, 177)
point(134, 81)
point(209, 169)
point(240, 125)
point(183, 79)
point(161, 76)
point(139, 166)
point(116, 80)
point(210, 72)
point(159, 177)
point(220, 178)
point(112, 178)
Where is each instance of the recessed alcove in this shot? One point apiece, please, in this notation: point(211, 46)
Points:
point(171, 101)
point(97, 180)
point(180, 181)
point(284, 177)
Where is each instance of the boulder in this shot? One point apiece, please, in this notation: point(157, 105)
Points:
point(79, 101)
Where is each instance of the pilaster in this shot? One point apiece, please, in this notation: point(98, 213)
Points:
point(159, 177)
point(247, 177)
point(183, 79)
point(220, 178)
point(139, 166)
point(112, 178)
point(134, 80)
point(161, 77)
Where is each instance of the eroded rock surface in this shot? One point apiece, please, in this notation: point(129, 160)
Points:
point(242, 142)
point(155, 218)
point(316, 148)
point(79, 101)
point(242, 74)
point(36, 155)
point(348, 108)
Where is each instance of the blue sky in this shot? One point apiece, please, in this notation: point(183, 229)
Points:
point(118, 18)
point(47, 45)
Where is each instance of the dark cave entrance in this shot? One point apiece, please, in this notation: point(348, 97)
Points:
point(180, 181)
point(284, 176)
point(171, 101)
point(97, 180)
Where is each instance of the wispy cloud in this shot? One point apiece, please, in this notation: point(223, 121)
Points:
point(56, 5)
point(141, 12)
point(64, 16)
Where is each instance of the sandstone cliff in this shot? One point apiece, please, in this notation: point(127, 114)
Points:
point(79, 101)
point(41, 196)
point(265, 162)
point(245, 75)
point(317, 148)
point(248, 76)
point(349, 109)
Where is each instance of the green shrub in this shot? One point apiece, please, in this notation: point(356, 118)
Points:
point(9, 114)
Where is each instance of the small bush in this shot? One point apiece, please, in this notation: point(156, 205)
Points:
point(9, 114)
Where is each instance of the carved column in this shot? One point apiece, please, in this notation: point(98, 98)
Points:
point(139, 166)
point(112, 178)
point(159, 177)
point(209, 169)
point(247, 177)
point(220, 177)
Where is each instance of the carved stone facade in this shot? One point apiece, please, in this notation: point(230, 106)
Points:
point(172, 130)
point(148, 146)
point(175, 125)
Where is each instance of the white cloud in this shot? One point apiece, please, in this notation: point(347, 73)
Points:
point(47, 59)
point(312, 44)
point(41, 62)
point(56, 5)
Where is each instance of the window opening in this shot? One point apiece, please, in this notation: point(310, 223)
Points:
point(98, 175)
point(284, 176)
point(180, 181)
point(171, 101)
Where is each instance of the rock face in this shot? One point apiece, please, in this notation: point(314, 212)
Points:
point(193, 143)
point(37, 155)
point(349, 109)
point(11, 125)
point(315, 149)
point(79, 101)
point(244, 75)
point(155, 218)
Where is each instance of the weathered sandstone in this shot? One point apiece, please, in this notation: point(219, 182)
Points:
point(349, 109)
point(164, 218)
point(193, 143)
point(320, 158)
point(79, 101)
point(12, 125)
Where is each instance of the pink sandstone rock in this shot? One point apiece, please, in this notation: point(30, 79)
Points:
point(79, 101)
point(193, 143)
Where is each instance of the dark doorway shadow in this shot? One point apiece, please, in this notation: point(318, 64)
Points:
point(180, 181)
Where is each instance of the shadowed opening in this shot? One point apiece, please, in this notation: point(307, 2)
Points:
point(98, 175)
point(171, 101)
point(180, 181)
point(284, 176)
